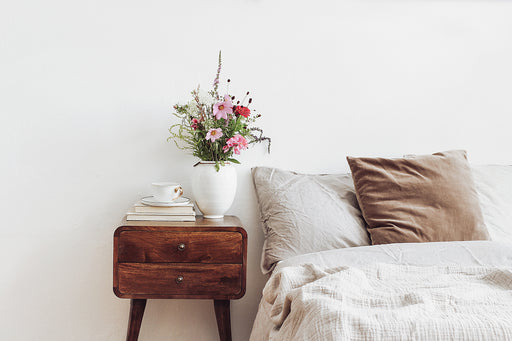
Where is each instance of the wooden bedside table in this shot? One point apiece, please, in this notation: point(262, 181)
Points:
point(205, 259)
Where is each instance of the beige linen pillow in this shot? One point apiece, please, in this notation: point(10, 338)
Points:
point(427, 198)
point(303, 213)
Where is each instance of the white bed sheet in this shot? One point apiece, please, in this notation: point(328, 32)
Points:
point(467, 253)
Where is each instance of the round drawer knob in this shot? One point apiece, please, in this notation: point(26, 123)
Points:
point(181, 247)
point(179, 279)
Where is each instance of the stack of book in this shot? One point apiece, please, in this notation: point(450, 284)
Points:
point(141, 211)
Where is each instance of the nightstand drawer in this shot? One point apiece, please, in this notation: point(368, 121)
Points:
point(180, 247)
point(180, 279)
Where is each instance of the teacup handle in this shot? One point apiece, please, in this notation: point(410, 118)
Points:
point(180, 190)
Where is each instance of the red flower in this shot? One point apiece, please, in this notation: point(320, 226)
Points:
point(195, 123)
point(243, 111)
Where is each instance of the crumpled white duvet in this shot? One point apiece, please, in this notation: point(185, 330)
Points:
point(390, 302)
point(459, 255)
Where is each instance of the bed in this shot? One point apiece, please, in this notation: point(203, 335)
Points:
point(333, 275)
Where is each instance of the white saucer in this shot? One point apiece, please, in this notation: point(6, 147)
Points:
point(178, 202)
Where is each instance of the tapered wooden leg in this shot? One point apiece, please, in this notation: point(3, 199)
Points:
point(223, 319)
point(136, 313)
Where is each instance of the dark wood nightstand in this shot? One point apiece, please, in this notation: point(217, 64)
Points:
point(205, 259)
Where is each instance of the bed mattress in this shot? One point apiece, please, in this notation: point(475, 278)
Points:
point(457, 263)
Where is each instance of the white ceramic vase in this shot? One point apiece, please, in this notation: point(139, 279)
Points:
point(213, 191)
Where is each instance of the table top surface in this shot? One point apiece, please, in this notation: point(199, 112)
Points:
point(227, 221)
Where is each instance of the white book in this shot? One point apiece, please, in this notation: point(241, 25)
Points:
point(171, 210)
point(161, 217)
point(189, 213)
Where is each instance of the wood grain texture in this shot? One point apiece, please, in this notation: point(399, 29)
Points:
point(211, 265)
point(210, 226)
point(212, 280)
point(136, 313)
point(222, 314)
point(198, 247)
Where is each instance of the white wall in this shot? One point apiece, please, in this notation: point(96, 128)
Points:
point(86, 94)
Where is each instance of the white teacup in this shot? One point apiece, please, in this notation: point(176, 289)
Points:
point(166, 191)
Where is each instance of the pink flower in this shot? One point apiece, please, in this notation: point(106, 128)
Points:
point(222, 109)
point(214, 134)
point(237, 142)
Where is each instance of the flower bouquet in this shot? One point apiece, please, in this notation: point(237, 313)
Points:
point(214, 127)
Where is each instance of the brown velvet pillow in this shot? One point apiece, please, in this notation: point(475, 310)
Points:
point(427, 198)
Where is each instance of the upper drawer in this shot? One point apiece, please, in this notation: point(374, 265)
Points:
point(176, 247)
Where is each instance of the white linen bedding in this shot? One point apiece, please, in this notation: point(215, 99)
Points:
point(427, 291)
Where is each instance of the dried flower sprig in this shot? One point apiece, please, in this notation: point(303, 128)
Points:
point(260, 138)
point(215, 91)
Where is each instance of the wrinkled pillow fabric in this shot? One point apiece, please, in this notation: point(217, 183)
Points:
point(427, 198)
point(303, 213)
point(494, 186)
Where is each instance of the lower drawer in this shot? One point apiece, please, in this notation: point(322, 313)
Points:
point(188, 279)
